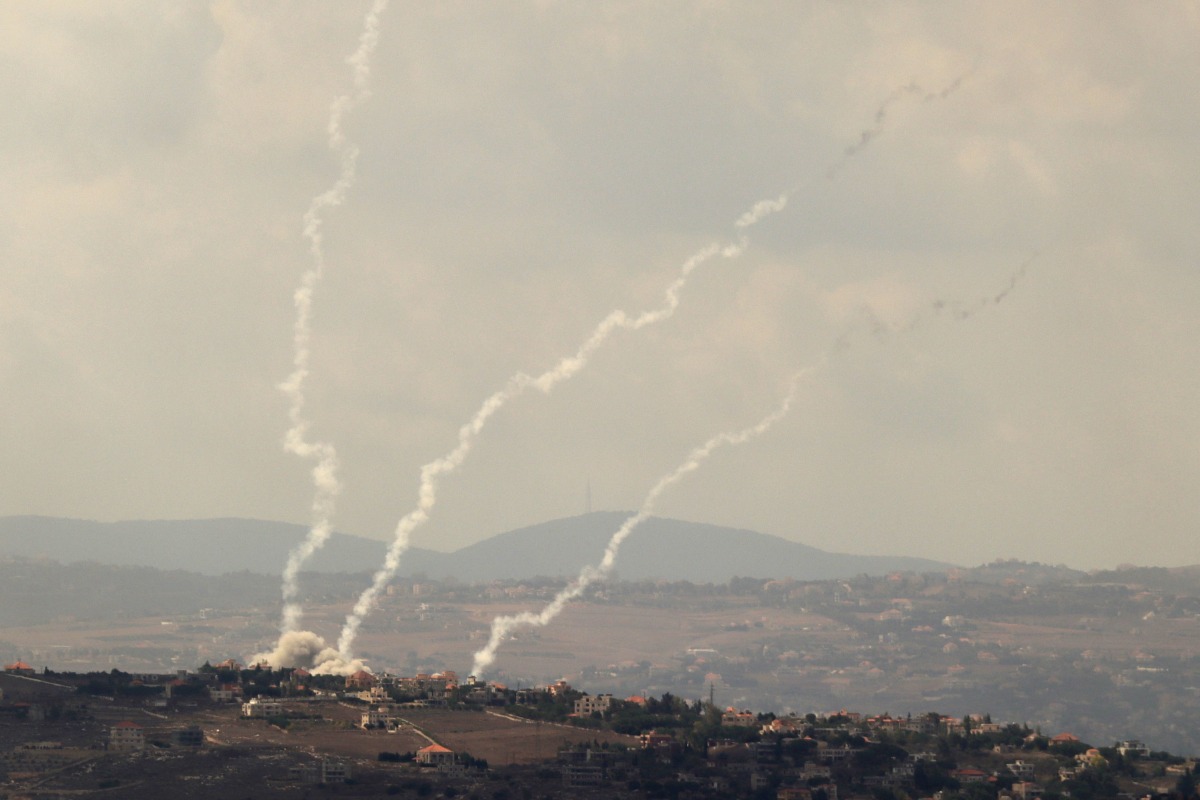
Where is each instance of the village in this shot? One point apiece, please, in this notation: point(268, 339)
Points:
point(225, 727)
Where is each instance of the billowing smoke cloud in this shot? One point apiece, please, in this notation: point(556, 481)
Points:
point(503, 625)
point(308, 650)
point(326, 485)
point(566, 368)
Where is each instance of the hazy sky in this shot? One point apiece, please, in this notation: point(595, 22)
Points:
point(527, 167)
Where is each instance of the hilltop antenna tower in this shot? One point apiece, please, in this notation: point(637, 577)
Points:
point(589, 495)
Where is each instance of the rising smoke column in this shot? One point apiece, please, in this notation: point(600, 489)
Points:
point(326, 485)
point(432, 472)
point(566, 368)
point(502, 626)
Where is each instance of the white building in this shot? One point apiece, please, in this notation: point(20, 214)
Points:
point(220, 694)
point(380, 717)
point(587, 704)
point(257, 708)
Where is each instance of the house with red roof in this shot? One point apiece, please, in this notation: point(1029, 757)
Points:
point(435, 755)
point(18, 668)
point(970, 775)
point(360, 680)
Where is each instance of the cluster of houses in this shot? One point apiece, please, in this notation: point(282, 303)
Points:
point(800, 758)
point(756, 765)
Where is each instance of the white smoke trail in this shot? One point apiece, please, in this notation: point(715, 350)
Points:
point(502, 626)
point(326, 485)
point(566, 368)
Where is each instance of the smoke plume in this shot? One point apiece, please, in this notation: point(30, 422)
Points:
point(566, 368)
point(308, 650)
point(502, 626)
point(326, 485)
point(569, 366)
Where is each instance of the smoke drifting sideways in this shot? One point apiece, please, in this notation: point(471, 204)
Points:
point(503, 626)
point(326, 484)
point(566, 368)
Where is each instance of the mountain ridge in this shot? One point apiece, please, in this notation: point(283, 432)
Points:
point(661, 548)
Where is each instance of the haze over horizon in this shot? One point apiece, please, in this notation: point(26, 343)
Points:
point(524, 170)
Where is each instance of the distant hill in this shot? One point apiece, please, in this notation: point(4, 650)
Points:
point(33, 592)
point(660, 548)
point(207, 546)
point(669, 549)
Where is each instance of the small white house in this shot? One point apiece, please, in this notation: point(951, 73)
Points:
point(257, 708)
point(588, 704)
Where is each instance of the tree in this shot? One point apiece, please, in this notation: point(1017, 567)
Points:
point(1185, 787)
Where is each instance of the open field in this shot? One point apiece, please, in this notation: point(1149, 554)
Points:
point(447, 636)
point(1105, 636)
point(504, 739)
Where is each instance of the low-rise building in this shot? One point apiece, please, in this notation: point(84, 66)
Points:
point(1133, 747)
point(970, 775)
point(580, 775)
point(381, 717)
point(360, 680)
point(1026, 790)
point(327, 770)
point(741, 719)
point(434, 755)
point(258, 708)
point(588, 705)
point(126, 737)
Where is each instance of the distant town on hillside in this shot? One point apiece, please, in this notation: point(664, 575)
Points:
point(226, 729)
